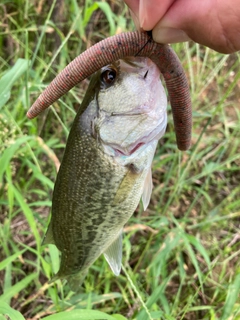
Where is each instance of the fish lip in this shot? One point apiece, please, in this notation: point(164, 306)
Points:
point(125, 152)
point(143, 141)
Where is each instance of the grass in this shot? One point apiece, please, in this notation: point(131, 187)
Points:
point(181, 256)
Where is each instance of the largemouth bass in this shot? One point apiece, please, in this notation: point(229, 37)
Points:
point(106, 167)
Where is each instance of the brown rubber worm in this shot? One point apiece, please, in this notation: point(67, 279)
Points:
point(117, 47)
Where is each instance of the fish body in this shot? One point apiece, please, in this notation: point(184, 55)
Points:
point(106, 167)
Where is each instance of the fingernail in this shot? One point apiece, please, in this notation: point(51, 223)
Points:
point(169, 35)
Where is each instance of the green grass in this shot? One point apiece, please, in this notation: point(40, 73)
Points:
point(181, 256)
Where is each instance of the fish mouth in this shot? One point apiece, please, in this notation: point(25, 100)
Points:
point(120, 150)
point(127, 152)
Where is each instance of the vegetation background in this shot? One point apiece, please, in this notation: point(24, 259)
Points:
point(181, 256)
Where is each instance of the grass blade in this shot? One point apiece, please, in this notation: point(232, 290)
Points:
point(80, 314)
point(232, 296)
point(8, 260)
point(9, 153)
point(14, 290)
point(5, 309)
point(7, 81)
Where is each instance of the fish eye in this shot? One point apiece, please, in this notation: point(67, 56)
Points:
point(108, 76)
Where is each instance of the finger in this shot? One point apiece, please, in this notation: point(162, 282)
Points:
point(146, 13)
point(133, 5)
point(134, 11)
point(212, 23)
point(169, 35)
point(151, 11)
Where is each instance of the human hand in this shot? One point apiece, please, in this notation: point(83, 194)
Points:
point(213, 23)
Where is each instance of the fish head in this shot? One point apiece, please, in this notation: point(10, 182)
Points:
point(131, 106)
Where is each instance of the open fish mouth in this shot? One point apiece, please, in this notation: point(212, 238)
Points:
point(125, 152)
point(120, 150)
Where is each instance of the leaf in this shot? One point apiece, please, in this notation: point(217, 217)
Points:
point(5, 309)
point(9, 153)
point(7, 81)
point(39, 176)
point(82, 299)
point(197, 244)
point(88, 13)
point(119, 317)
point(8, 260)
point(104, 6)
point(54, 254)
point(232, 297)
point(80, 314)
point(157, 294)
point(193, 259)
point(28, 214)
point(12, 291)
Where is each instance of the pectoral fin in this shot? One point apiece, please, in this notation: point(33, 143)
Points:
point(127, 184)
point(147, 189)
point(48, 238)
point(113, 255)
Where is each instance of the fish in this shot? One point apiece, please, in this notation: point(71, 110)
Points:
point(106, 167)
